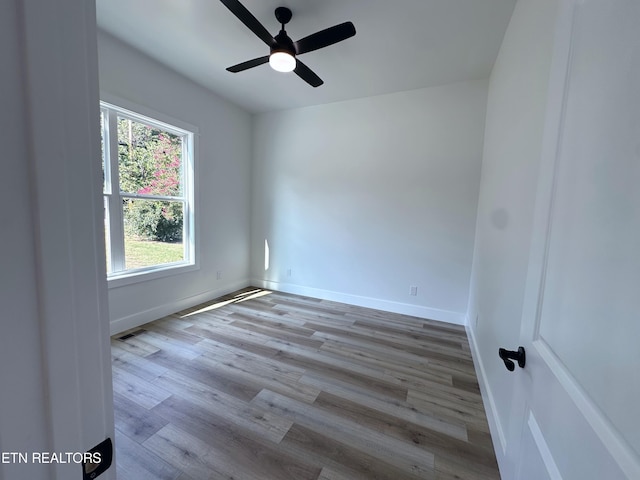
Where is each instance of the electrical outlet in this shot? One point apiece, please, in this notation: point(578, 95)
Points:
point(288, 272)
point(413, 290)
point(219, 275)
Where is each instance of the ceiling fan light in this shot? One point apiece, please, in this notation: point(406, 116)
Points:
point(282, 61)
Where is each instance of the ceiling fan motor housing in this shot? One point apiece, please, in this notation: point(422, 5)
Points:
point(283, 44)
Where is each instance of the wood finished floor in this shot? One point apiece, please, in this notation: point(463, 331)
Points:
point(271, 386)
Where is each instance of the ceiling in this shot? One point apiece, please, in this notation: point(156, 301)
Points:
point(399, 45)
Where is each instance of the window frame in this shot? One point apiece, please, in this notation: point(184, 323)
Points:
point(112, 108)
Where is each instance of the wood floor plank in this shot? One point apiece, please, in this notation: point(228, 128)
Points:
point(235, 445)
point(317, 309)
point(197, 372)
point(233, 339)
point(273, 386)
point(441, 334)
point(260, 362)
point(376, 350)
point(314, 361)
point(256, 420)
point(139, 391)
point(469, 456)
point(375, 339)
point(412, 342)
point(136, 346)
point(136, 422)
point(185, 452)
point(221, 356)
point(371, 442)
point(328, 473)
point(402, 371)
point(259, 378)
point(281, 323)
point(207, 317)
point(135, 364)
point(457, 405)
point(356, 366)
point(400, 409)
point(167, 343)
point(342, 459)
point(180, 334)
point(134, 462)
point(278, 333)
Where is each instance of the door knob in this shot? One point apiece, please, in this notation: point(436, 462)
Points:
point(508, 356)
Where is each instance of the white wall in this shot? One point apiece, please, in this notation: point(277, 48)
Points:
point(514, 127)
point(222, 183)
point(363, 198)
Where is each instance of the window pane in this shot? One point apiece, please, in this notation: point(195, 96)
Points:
point(102, 139)
point(107, 235)
point(153, 232)
point(150, 159)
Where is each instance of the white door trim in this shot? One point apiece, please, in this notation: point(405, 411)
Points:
point(617, 446)
point(543, 447)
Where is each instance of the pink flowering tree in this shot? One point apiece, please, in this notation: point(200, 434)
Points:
point(150, 163)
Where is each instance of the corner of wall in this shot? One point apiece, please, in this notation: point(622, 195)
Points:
point(447, 316)
point(495, 426)
point(140, 318)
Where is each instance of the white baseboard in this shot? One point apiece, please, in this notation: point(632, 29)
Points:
point(140, 318)
point(495, 426)
point(368, 302)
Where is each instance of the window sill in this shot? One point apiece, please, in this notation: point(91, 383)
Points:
point(129, 278)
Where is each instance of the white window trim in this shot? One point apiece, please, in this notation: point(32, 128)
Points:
point(141, 113)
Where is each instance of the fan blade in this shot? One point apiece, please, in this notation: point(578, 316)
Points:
point(248, 64)
point(249, 20)
point(307, 74)
point(325, 37)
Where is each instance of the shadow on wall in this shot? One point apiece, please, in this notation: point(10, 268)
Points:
point(500, 218)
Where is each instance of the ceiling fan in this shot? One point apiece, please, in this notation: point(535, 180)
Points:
point(284, 50)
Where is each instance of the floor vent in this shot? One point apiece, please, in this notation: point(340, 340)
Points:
point(132, 334)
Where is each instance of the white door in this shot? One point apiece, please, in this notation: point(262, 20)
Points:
point(56, 398)
point(576, 410)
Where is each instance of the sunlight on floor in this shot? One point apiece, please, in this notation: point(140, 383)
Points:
point(241, 297)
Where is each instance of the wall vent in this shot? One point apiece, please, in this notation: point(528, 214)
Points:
point(132, 334)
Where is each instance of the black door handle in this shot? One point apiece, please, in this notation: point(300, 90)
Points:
point(508, 355)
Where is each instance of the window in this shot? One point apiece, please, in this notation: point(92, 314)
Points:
point(148, 193)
